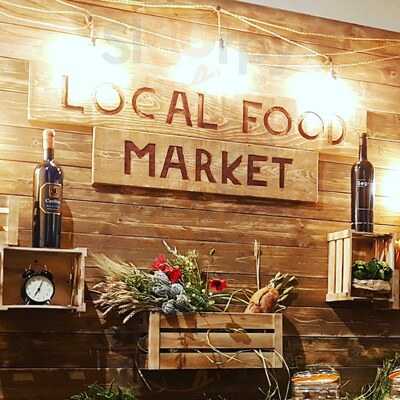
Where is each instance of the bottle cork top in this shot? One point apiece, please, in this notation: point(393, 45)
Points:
point(48, 138)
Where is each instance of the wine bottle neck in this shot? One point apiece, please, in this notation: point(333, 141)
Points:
point(48, 154)
point(363, 148)
point(48, 144)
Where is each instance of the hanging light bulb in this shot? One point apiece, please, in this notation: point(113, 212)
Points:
point(323, 92)
point(223, 54)
point(214, 68)
point(85, 64)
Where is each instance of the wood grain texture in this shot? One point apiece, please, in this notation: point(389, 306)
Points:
point(48, 102)
point(129, 223)
point(132, 158)
point(175, 342)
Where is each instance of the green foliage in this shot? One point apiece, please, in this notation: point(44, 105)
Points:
point(97, 392)
point(374, 269)
point(379, 389)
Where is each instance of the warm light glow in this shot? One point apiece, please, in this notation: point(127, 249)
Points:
point(212, 69)
point(322, 93)
point(391, 189)
point(87, 66)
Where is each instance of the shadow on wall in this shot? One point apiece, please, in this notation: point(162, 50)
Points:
point(207, 385)
point(51, 355)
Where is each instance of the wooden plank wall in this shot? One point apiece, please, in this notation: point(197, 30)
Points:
point(52, 355)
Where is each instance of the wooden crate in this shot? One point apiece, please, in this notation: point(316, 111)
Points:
point(66, 265)
point(9, 221)
point(185, 341)
point(347, 246)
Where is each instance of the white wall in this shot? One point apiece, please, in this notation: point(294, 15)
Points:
point(384, 14)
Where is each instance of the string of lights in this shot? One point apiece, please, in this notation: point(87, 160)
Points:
point(89, 21)
point(337, 54)
point(275, 34)
point(42, 23)
point(270, 24)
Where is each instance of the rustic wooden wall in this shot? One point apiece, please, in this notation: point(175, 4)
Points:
point(52, 355)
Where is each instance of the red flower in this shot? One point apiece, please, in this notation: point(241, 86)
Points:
point(218, 285)
point(174, 274)
point(160, 263)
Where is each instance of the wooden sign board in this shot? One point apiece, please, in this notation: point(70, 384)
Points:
point(131, 158)
point(147, 101)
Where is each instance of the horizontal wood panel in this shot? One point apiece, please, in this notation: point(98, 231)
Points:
point(55, 383)
point(355, 338)
point(238, 36)
point(338, 351)
point(331, 205)
point(46, 99)
point(14, 75)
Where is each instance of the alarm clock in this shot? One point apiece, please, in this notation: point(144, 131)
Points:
point(38, 287)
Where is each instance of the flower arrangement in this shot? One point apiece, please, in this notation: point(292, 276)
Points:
point(175, 284)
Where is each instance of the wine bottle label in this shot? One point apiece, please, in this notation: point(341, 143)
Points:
point(50, 195)
point(363, 183)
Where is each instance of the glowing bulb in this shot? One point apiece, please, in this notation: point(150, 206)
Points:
point(391, 189)
point(86, 65)
point(215, 69)
point(322, 93)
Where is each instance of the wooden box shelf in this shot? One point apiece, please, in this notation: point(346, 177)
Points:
point(66, 265)
point(347, 246)
point(188, 341)
point(9, 221)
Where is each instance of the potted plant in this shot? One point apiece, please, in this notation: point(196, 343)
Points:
point(372, 277)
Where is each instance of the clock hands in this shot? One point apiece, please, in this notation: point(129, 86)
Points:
point(38, 289)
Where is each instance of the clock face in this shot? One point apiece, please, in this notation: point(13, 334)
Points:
point(39, 289)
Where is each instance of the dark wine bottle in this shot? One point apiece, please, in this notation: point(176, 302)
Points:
point(362, 191)
point(47, 197)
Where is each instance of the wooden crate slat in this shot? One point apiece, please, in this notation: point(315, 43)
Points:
point(217, 320)
point(278, 340)
point(216, 361)
point(221, 340)
point(339, 267)
point(154, 341)
point(332, 267)
point(3, 236)
point(339, 235)
point(396, 290)
point(13, 221)
point(347, 264)
point(360, 235)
